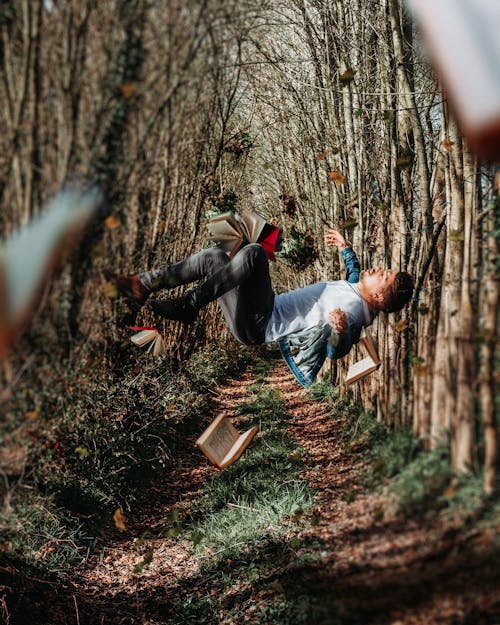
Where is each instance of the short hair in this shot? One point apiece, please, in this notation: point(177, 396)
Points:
point(400, 292)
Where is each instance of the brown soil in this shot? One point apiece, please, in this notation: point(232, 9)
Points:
point(371, 566)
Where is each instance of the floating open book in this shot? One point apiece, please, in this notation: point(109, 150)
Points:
point(231, 231)
point(366, 365)
point(222, 443)
point(149, 338)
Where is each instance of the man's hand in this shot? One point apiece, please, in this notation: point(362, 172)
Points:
point(333, 237)
point(338, 320)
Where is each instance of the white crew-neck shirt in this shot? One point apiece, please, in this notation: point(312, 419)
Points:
point(304, 308)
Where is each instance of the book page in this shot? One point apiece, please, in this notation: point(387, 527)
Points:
point(244, 228)
point(159, 346)
point(29, 254)
point(463, 40)
point(219, 441)
point(223, 228)
point(238, 447)
point(359, 369)
point(254, 223)
point(369, 345)
point(143, 337)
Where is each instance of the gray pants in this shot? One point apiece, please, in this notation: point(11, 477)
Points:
point(241, 285)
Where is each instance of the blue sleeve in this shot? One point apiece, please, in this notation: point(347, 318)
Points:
point(352, 268)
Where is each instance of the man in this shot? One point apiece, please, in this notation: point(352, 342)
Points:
point(319, 320)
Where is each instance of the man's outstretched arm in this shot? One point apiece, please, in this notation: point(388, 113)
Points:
point(353, 269)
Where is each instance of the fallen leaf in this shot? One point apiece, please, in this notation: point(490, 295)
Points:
point(421, 370)
point(110, 290)
point(82, 452)
point(336, 176)
point(456, 235)
point(401, 325)
point(32, 414)
point(112, 222)
point(449, 492)
point(128, 89)
point(346, 77)
point(448, 144)
point(119, 519)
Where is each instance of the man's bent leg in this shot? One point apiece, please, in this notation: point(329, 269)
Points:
point(243, 288)
point(138, 287)
point(195, 267)
point(248, 306)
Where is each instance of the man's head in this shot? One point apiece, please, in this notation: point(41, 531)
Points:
point(385, 289)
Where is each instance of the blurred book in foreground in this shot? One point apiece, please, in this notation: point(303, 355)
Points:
point(462, 38)
point(29, 256)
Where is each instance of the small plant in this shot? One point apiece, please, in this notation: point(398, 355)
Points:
point(419, 485)
point(390, 453)
point(239, 144)
point(299, 249)
point(324, 390)
point(220, 200)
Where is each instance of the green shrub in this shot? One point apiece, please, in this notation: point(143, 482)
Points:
point(418, 486)
point(117, 432)
point(391, 451)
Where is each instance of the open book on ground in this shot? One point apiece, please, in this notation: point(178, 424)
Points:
point(29, 256)
point(222, 443)
point(462, 38)
point(149, 338)
point(231, 231)
point(366, 365)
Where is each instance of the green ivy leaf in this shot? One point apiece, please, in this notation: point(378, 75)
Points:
point(457, 235)
point(82, 452)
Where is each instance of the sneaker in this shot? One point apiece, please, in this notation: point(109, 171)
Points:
point(179, 309)
point(130, 286)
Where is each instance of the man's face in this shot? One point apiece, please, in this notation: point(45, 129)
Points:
point(377, 280)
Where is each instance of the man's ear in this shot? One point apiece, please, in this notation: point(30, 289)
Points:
point(379, 298)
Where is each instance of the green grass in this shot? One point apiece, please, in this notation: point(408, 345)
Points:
point(244, 526)
point(418, 481)
point(42, 536)
point(259, 495)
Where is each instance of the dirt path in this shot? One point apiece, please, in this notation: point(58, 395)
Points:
point(370, 567)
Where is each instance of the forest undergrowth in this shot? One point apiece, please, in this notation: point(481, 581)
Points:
point(328, 517)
